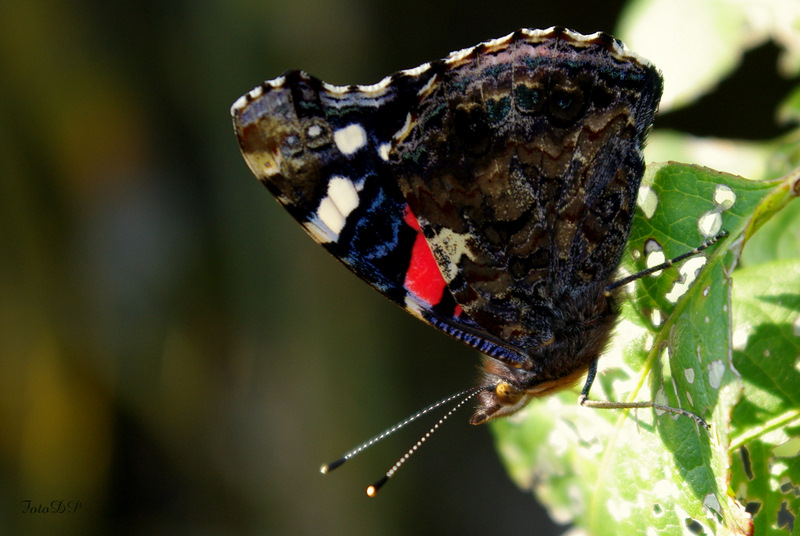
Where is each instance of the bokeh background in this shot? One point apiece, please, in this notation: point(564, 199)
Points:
point(176, 356)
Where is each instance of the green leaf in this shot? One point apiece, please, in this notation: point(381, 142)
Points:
point(789, 110)
point(766, 423)
point(706, 42)
point(745, 158)
point(619, 472)
point(698, 43)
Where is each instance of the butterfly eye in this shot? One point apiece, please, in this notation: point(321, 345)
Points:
point(507, 394)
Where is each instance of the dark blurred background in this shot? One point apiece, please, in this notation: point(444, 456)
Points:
point(176, 356)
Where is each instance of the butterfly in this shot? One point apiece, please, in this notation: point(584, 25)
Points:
point(490, 194)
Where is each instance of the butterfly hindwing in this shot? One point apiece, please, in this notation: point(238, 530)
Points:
point(522, 164)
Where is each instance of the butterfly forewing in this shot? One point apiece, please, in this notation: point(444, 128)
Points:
point(323, 152)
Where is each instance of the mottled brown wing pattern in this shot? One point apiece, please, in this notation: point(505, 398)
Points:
point(522, 162)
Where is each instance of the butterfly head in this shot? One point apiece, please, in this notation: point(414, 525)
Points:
point(558, 364)
point(508, 389)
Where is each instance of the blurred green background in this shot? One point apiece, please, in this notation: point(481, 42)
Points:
point(175, 353)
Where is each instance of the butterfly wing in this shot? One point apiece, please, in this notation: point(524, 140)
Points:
point(323, 152)
point(522, 164)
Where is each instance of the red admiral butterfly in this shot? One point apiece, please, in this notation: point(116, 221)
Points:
point(490, 194)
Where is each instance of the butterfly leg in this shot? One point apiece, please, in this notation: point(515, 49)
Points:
point(583, 400)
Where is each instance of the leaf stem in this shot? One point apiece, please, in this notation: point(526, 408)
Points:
point(778, 422)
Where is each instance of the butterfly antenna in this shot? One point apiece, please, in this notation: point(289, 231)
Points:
point(469, 394)
point(328, 467)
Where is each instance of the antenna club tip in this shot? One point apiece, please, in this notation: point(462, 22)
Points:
point(373, 489)
point(328, 467)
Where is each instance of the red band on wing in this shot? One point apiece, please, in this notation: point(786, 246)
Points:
point(423, 277)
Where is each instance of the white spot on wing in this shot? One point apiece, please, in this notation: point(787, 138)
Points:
point(277, 82)
point(339, 90)
point(450, 247)
point(415, 306)
point(383, 151)
point(458, 55)
point(256, 92)
point(314, 131)
point(426, 89)
point(499, 42)
point(240, 103)
point(330, 216)
point(406, 128)
point(334, 209)
point(376, 90)
point(619, 48)
point(350, 138)
point(319, 232)
point(416, 71)
point(343, 194)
